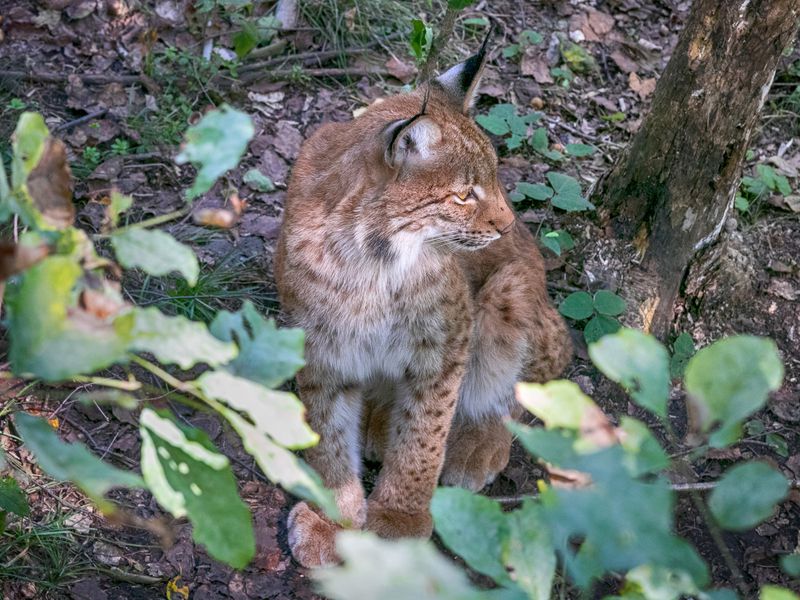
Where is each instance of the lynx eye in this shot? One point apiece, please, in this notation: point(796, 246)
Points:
point(462, 199)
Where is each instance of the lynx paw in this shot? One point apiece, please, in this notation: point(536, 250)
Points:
point(312, 537)
point(476, 455)
point(391, 524)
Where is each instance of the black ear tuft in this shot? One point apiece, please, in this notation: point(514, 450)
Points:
point(461, 81)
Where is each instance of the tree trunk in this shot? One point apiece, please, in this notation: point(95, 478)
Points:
point(672, 190)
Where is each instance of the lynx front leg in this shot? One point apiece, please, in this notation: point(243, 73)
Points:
point(333, 412)
point(399, 505)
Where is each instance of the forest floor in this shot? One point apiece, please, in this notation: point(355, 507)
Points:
point(123, 130)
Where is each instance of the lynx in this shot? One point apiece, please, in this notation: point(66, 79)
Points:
point(424, 301)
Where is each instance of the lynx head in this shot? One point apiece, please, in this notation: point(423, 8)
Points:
point(441, 169)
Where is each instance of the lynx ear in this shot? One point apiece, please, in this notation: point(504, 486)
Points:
point(461, 81)
point(411, 141)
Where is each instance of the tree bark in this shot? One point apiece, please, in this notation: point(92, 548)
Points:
point(673, 188)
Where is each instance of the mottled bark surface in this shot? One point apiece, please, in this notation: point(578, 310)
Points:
point(672, 190)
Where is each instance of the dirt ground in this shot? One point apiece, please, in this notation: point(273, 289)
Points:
point(750, 282)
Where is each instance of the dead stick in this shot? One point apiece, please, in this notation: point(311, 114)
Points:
point(319, 55)
point(438, 44)
point(285, 74)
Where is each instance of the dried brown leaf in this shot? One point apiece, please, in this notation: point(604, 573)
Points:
point(643, 87)
point(50, 185)
point(15, 258)
point(400, 70)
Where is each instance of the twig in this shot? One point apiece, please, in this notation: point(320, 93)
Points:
point(286, 74)
point(720, 543)
point(316, 56)
point(273, 49)
point(120, 575)
point(80, 120)
point(176, 214)
point(61, 77)
point(438, 44)
point(128, 386)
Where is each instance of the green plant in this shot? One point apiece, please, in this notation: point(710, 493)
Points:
point(120, 147)
point(16, 104)
point(67, 320)
point(558, 241)
point(526, 37)
point(756, 430)
point(563, 192)
point(682, 350)
point(598, 311)
point(563, 76)
point(420, 40)
point(613, 511)
point(754, 189)
point(503, 120)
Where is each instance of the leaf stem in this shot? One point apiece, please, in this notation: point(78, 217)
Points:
point(128, 386)
point(167, 378)
point(719, 542)
point(152, 222)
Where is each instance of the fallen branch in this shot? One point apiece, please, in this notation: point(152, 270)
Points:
point(90, 78)
point(288, 74)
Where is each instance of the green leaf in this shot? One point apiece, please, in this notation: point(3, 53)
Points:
point(639, 363)
point(215, 145)
point(538, 140)
point(557, 241)
point(516, 197)
point(511, 50)
point(773, 180)
point(730, 380)
point(772, 592)
point(245, 40)
point(599, 326)
point(420, 38)
point(623, 522)
point(567, 193)
point(528, 36)
point(534, 191)
point(608, 303)
point(177, 340)
point(119, 204)
point(188, 477)
point(72, 462)
point(746, 495)
point(459, 4)
point(258, 181)
point(155, 252)
point(496, 122)
point(28, 144)
point(559, 404)
point(741, 203)
point(281, 466)
point(267, 354)
point(577, 306)
point(682, 350)
point(643, 452)
point(549, 240)
point(790, 564)
point(579, 150)
point(277, 414)
point(659, 583)
point(48, 341)
point(407, 568)
point(778, 443)
point(474, 527)
point(529, 551)
point(12, 499)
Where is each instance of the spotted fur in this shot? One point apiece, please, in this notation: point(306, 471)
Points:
point(423, 300)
